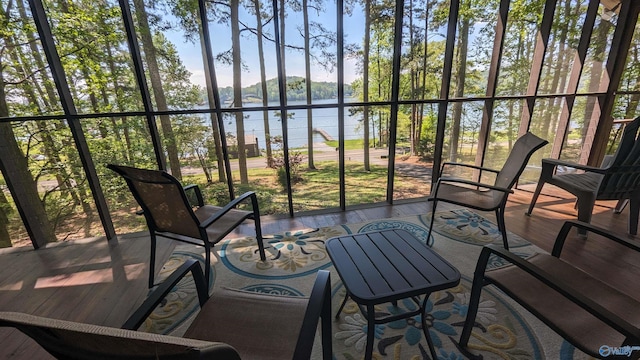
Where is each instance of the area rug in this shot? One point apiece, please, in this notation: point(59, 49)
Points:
point(504, 330)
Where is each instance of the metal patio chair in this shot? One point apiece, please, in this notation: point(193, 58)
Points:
point(171, 213)
point(231, 325)
point(587, 311)
point(486, 197)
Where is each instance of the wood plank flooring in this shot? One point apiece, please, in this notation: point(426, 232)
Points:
point(100, 282)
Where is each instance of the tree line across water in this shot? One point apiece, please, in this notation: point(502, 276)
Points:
point(296, 91)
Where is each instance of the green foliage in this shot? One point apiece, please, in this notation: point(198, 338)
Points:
point(354, 144)
point(426, 146)
point(281, 173)
point(295, 159)
point(94, 52)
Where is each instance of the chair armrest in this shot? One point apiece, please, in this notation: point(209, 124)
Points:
point(558, 285)
point(469, 166)
point(319, 307)
point(235, 202)
point(474, 183)
point(72, 340)
point(556, 162)
point(159, 293)
point(564, 232)
point(196, 190)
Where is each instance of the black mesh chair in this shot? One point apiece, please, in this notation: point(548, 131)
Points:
point(170, 212)
point(487, 197)
point(587, 311)
point(231, 325)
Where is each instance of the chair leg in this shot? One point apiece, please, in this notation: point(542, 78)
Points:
point(433, 216)
point(622, 203)
point(207, 263)
point(152, 260)
point(502, 227)
point(545, 175)
point(256, 220)
point(472, 311)
point(634, 212)
point(425, 328)
point(535, 196)
point(371, 329)
point(585, 210)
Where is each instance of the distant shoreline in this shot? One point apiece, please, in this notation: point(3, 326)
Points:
point(252, 99)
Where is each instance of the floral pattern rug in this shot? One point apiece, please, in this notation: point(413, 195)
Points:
point(503, 330)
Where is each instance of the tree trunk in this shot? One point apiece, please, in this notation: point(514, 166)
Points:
point(22, 186)
point(263, 84)
point(514, 86)
point(118, 92)
point(599, 48)
point(365, 81)
point(214, 118)
point(156, 84)
point(5, 209)
point(281, 15)
point(307, 72)
point(237, 89)
point(463, 45)
point(379, 81)
point(425, 54)
point(413, 141)
point(48, 144)
point(553, 103)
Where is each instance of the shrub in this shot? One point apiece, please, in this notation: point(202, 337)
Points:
point(278, 163)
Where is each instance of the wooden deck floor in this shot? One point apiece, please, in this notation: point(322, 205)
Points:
point(100, 282)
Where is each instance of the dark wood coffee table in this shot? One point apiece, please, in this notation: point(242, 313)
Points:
point(387, 266)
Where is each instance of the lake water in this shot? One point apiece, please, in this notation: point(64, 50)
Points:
point(325, 119)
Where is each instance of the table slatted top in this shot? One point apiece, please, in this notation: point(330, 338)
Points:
point(388, 265)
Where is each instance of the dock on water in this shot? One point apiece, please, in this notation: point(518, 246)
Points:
point(323, 133)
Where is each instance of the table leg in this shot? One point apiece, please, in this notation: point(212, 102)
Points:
point(371, 330)
point(425, 329)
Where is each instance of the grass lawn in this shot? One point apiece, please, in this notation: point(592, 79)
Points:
point(317, 189)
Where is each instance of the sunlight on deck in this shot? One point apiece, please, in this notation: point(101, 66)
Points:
point(133, 271)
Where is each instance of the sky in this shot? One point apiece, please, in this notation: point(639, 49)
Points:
point(221, 41)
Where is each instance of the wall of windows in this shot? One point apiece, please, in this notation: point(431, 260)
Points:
point(314, 105)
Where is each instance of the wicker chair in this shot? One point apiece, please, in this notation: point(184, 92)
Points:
point(169, 211)
point(231, 325)
point(486, 197)
point(618, 179)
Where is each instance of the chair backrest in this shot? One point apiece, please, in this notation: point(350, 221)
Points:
point(71, 340)
point(522, 150)
point(233, 316)
point(622, 176)
point(318, 308)
point(162, 199)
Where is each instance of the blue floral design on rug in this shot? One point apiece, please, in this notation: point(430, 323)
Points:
point(181, 302)
point(469, 227)
point(293, 258)
point(289, 255)
point(273, 289)
point(418, 231)
point(445, 312)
